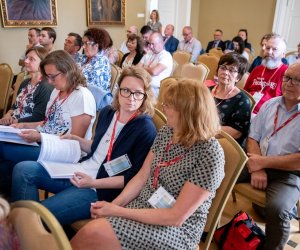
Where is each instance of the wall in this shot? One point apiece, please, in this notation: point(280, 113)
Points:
point(71, 18)
point(231, 15)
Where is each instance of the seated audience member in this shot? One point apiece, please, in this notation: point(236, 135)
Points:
point(257, 61)
point(8, 237)
point(33, 41)
point(33, 94)
point(94, 63)
point(243, 33)
point(135, 45)
point(264, 82)
point(154, 22)
point(190, 44)
point(71, 109)
point(146, 32)
point(217, 42)
point(274, 158)
point(47, 38)
point(185, 159)
point(130, 31)
point(72, 45)
point(239, 46)
point(158, 62)
point(293, 57)
point(171, 42)
point(118, 134)
point(111, 52)
point(233, 105)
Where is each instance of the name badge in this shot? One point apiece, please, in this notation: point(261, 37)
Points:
point(257, 96)
point(117, 165)
point(161, 199)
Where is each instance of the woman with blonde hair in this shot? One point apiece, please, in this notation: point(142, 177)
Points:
point(185, 159)
point(154, 22)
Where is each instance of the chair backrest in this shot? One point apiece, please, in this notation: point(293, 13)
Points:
point(241, 83)
point(175, 68)
point(235, 160)
point(291, 53)
point(27, 217)
point(115, 74)
point(198, 72)
point(159, 119)
point(211, 61)
point(251, 99)
point(19, 79)
point(6, 78)
point(216, 51)
point(120, 54)
point(181, 57)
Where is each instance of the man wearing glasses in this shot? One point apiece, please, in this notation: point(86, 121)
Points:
point(190, 44)
point(72, 45)
point(273, 148)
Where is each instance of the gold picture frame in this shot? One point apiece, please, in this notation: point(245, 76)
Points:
point(24, 13)
point(105, 12)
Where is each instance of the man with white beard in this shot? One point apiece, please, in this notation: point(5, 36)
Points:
point(265, 80)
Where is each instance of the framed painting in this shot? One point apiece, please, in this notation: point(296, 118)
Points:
point(107, 12)
point(28, 13)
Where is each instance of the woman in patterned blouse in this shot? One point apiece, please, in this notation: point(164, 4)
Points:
point(33, 94)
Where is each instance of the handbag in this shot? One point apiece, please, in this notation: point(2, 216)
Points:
point(240, 233)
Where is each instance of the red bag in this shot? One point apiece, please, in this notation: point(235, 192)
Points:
point(240, 233)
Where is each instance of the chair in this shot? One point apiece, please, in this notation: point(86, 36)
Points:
point(19, 79)
point(120, 54)
point(235, 160)
point(115, 74)
point(6, 78)
point(211, 61)
point(181, 57)
point(28, 218)
point(198, 72)
point(251, 99)
point(216, 51)
point(291, 53)
point(175, 68)
point(241, 83)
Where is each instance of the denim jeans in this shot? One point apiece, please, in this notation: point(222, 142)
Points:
point(69, 203)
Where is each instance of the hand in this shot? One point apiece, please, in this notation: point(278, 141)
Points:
point(255, 162)
point(18, 125)
point(7, 120)
point(30, 135)
point(102, 209)
point(69, 137)
point(259, 179)
point(82, 180)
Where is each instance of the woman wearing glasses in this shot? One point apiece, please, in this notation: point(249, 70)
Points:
point(124, 134)
point(233, 105)
point(94, 63)
point(71, 108)
point(33, 94)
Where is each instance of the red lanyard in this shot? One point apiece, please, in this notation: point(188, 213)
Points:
point(283, 124)
point(50, 109)
point(111, 143)
point(262, 75)
point(24, 96)
point(165, 164)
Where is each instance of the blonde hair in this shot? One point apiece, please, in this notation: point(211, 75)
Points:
point(4, 209)
point(147, 106)
point(198, 115)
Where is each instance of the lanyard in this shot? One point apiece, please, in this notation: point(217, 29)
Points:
point(262, 75)
point(111, 143)
point(50, 109)
point(25, 94)
point(226, 97)
point(165, 164)
point(283, 124)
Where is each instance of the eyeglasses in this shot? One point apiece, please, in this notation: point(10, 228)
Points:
point(185, 34)
point(138, 96)
point(293, 80)
point(230, 69)
point(52, 77)
point(89, 43)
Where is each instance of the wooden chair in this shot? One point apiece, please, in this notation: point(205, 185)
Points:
point(6, 78)
point(19, 79)
point(27, 218)
point(176, 69)
point(235, 160)
point(211, 61)
point(198, 72)
point(241, 83)
point(251, 99)
point(115, 74)
point(291, 53)
point(216, 51)
point(120, 54)
point(181, 57)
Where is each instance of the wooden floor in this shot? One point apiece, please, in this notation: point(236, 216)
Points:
point(233, 208)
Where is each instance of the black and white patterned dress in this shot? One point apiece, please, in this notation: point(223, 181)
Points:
point(202, 165)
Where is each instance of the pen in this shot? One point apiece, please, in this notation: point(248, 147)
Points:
point(66, 131)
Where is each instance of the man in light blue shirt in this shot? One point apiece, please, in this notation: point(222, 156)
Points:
point(273, 148)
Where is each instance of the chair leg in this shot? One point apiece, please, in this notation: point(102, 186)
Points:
point(298, 209)
point(233, 196)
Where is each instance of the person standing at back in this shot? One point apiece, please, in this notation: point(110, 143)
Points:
point(154, 22)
